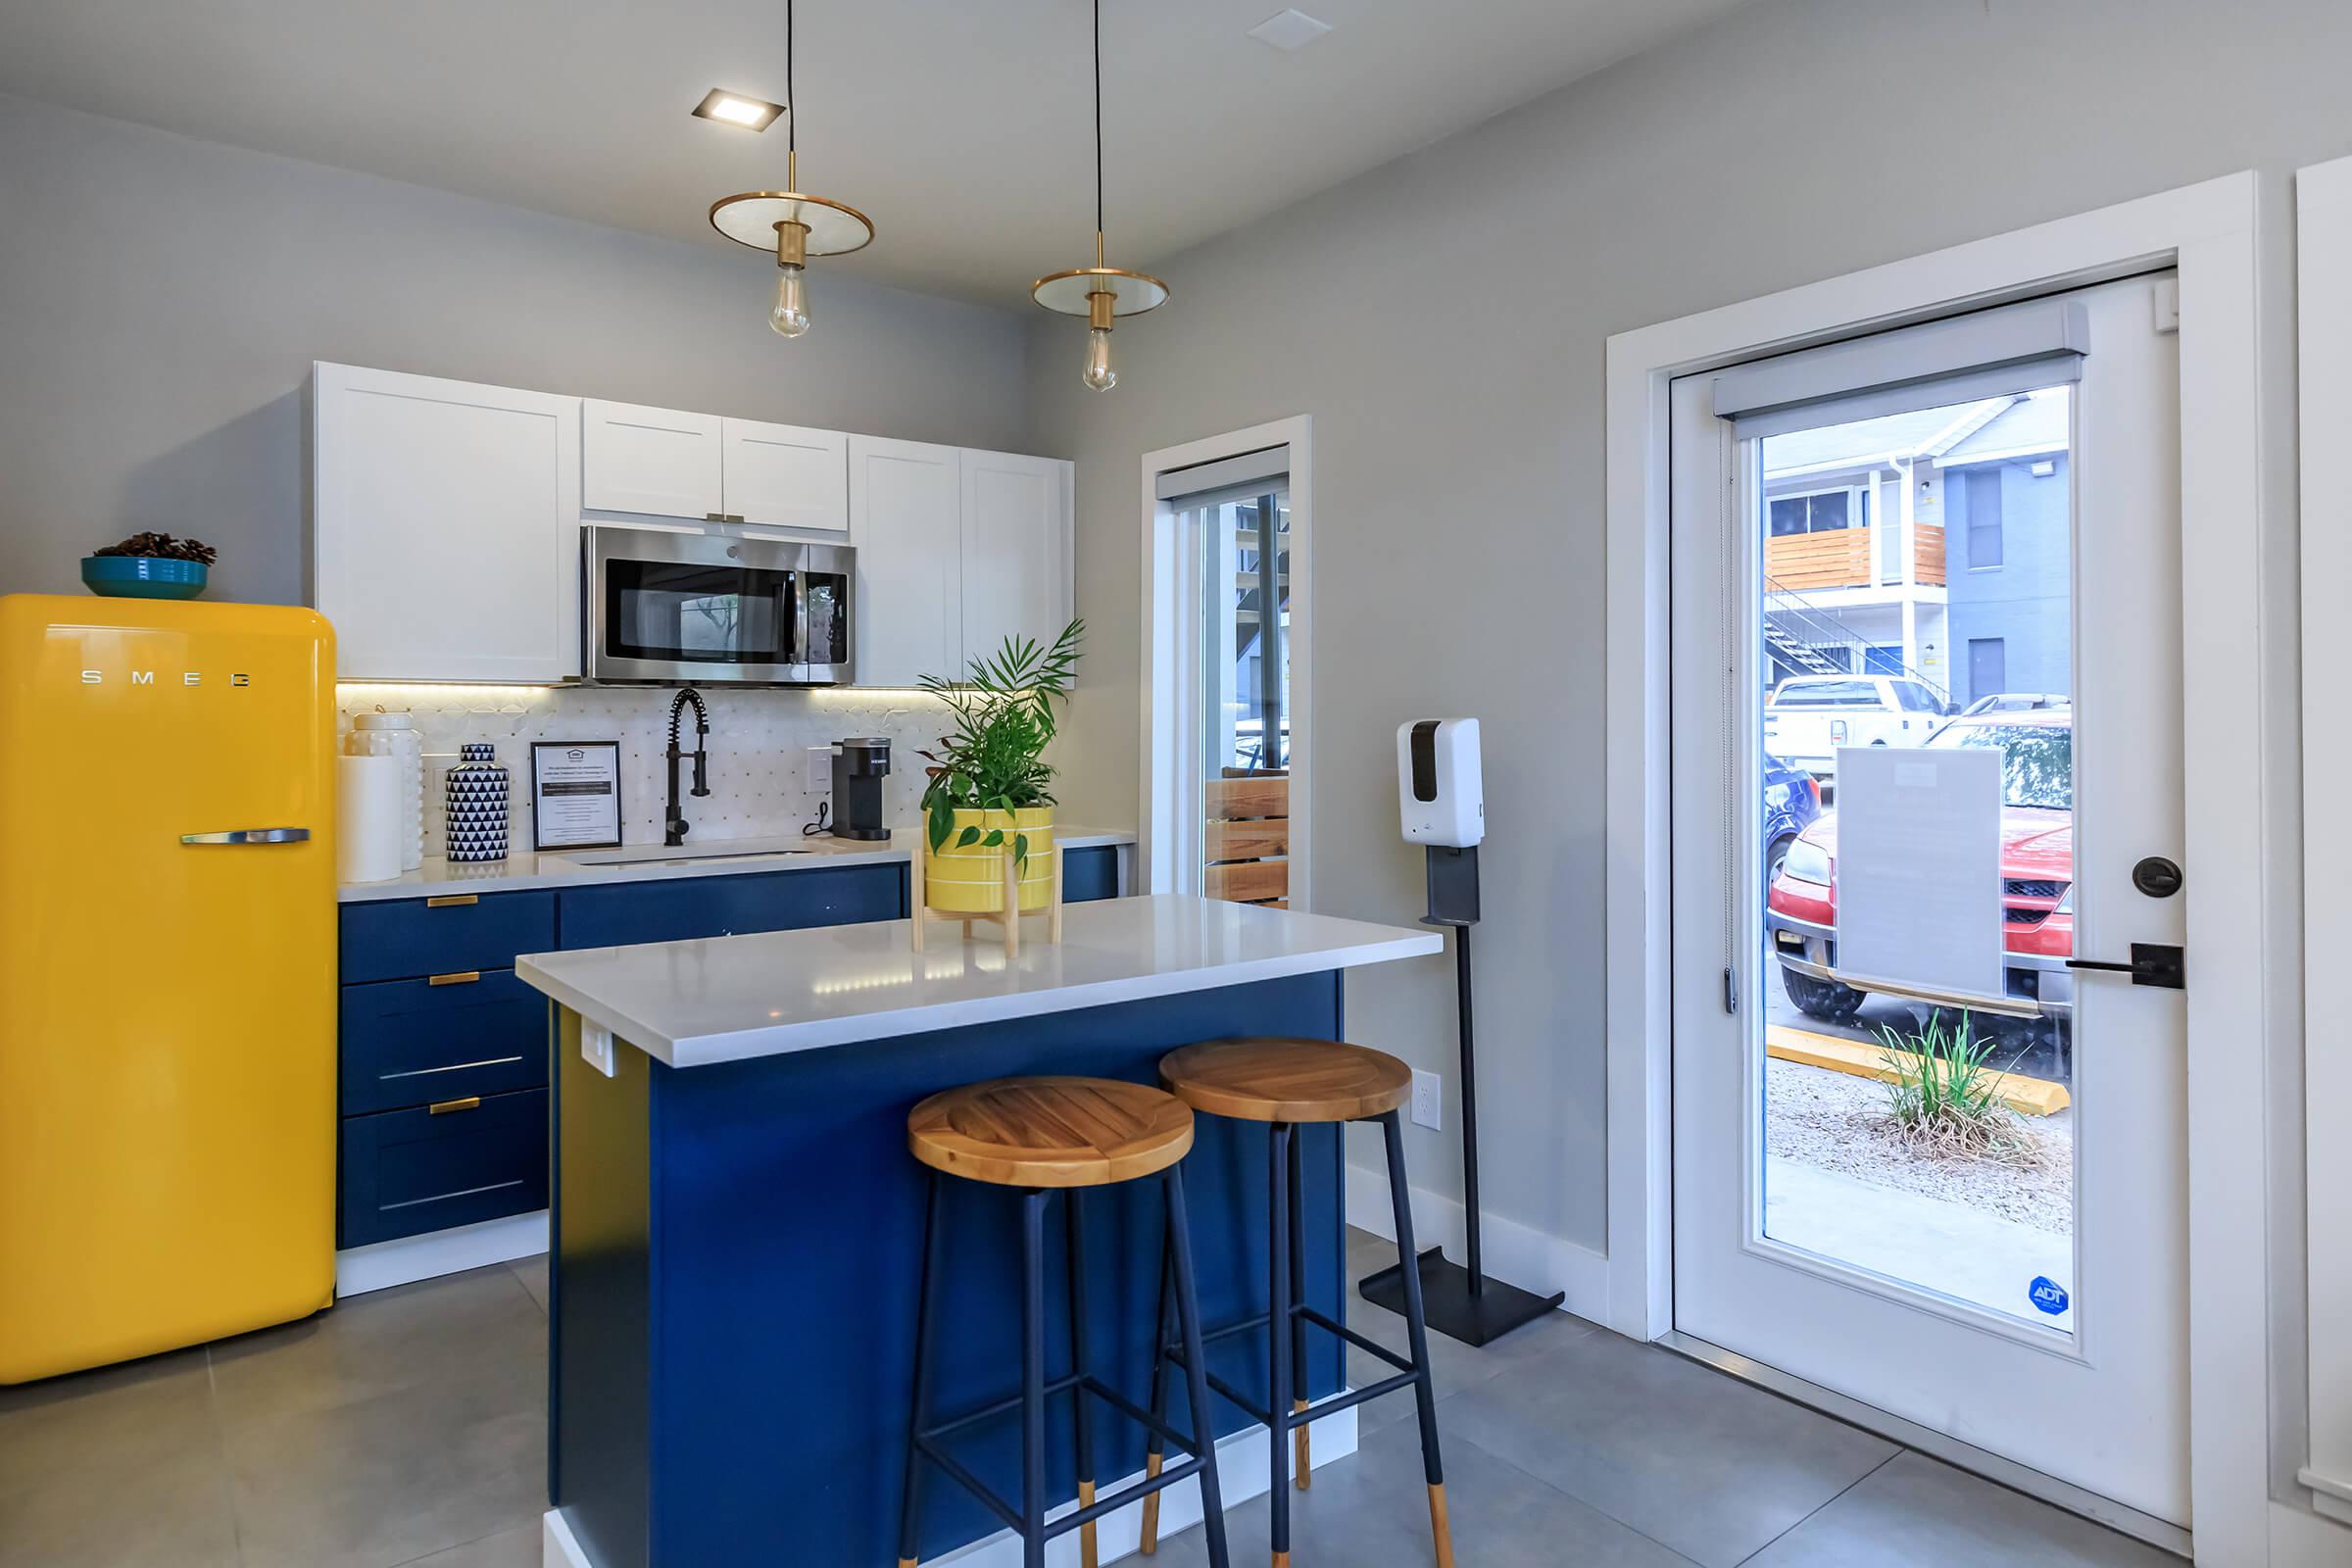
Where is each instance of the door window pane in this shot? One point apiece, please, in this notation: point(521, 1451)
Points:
point(1917, 1108)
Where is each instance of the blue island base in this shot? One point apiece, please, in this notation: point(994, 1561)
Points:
point(737, 1249)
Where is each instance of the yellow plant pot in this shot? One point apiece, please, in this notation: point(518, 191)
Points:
point(971, 880)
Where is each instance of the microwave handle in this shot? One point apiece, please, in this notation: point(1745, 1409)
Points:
point(800, 616)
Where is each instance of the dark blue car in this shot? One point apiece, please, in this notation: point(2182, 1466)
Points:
point(1792, 800)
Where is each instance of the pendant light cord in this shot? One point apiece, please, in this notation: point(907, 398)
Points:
point(1097, 131)
point(792, 111)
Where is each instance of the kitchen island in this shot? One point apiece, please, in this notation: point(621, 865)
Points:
point(737, 1221)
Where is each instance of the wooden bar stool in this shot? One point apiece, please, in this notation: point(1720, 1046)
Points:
point(1288, 1084)
point(1042, 1135)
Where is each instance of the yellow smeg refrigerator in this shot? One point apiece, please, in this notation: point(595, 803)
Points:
point(166, 975)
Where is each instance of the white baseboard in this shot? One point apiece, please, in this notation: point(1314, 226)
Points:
point(1514, 1252)
point(383, 1265)
point(1243, 1473)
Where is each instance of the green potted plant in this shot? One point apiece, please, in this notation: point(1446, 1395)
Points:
point(150, 566)
point(990, 791)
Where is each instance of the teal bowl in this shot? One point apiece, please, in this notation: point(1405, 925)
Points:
point(144, 576)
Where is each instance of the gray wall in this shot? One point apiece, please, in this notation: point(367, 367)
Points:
point(1444, 319)
point(161, 300)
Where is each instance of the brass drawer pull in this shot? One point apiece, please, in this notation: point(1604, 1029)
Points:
point(452, 901)
point(463, 977)
point(469, 1102)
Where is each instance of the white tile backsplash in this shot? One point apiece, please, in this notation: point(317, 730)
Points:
point(758, 762)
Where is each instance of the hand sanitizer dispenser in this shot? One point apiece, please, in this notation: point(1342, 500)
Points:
point(1439, 792)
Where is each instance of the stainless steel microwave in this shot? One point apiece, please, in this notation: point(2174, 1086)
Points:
point(709, 610)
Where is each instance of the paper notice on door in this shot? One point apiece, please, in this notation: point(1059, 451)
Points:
point(1919, 871)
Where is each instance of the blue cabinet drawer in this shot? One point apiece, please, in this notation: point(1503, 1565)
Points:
point(1090, 873)
point(413, 1042)
point(407, 939)
point(406, 1172)
point(617, 916)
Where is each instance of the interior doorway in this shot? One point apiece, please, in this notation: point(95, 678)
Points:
point(1925, 1160)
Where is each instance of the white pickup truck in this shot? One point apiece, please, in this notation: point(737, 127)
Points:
point(1807, 718)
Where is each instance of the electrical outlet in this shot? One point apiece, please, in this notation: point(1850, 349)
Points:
point(596, 1047)
point(821, 770)
point(1426, 1100)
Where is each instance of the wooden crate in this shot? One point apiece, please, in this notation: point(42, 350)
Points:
point(1246, 839)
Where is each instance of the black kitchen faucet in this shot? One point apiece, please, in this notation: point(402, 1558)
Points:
point(674, 828)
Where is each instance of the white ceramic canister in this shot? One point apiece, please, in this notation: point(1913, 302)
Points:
point(395, 735)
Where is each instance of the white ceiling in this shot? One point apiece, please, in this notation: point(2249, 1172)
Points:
point(960, 127)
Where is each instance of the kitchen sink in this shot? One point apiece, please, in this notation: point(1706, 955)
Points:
point(658, 854)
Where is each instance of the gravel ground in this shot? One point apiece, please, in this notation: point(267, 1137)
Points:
point(1832, 1121)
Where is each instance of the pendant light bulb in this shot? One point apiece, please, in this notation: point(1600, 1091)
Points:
point(1099, 373)
point(790, 317)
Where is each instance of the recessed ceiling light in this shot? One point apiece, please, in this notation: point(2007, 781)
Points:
point(734, 109)
point(1289, 29)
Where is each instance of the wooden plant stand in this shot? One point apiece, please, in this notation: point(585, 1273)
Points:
point(1008, 917)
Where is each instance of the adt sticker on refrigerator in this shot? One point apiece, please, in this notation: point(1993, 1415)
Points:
point(2048, 1295)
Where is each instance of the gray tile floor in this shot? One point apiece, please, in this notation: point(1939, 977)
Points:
point(408, 1428)
point(1567, 1443)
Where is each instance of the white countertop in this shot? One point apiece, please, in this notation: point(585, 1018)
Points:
point(726, 998)
point(699, 858)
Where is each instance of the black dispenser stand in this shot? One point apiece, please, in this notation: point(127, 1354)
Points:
point(1460, 1302)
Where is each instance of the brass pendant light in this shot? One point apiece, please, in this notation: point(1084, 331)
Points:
point(791, 224)
point(1099, 293)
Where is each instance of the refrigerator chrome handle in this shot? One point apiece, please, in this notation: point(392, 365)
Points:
point(251, 835)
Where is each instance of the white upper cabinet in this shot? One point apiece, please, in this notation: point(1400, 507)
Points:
point(658, 463)
point(784, 475)
point(1016, 549)
point(447, 527)
point(904, 522)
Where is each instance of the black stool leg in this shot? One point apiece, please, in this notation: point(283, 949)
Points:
point(1033, 1379)
point(1159, 1392)
point(910, 1515)
point(1195, 1376)
point(1298, 1298)
point(1416, 1330)
point(1080, 1363)
point(1278, 1330)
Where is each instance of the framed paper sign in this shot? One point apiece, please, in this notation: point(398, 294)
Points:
point(575, 795)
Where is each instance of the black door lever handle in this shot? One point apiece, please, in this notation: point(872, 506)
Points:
point(2152, 964)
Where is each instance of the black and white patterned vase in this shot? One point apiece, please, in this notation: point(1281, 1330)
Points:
point(476, 795)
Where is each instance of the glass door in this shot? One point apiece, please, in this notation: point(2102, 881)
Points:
point(1927, 735)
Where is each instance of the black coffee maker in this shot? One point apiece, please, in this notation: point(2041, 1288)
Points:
point(858, 767)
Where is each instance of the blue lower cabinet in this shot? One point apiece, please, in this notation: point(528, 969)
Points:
point(455, 1162)
point(1090, 873)
point(402, 939)
point(615, 916)
point(411, 1042)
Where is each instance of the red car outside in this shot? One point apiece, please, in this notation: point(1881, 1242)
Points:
point(2037, 867)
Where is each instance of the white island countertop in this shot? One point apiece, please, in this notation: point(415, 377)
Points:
point(726, 998)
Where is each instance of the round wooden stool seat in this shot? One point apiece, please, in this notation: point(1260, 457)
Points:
point(1287, 1080)
point(1050, 1132)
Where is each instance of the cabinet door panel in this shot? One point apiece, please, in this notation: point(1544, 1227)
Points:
point(659, 463)
point(406, 1172)
point(617, 914)
point(904, 519)
point(413, 1042)
point(405, 939)
point(785, 476)
point(1017, 550)
point(447, 541)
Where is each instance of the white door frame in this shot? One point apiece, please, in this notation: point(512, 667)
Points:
point(2323, 233)
point(2207, 232)
point(1168, 638)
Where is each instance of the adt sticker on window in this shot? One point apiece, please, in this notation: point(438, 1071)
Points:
point(2048, 1295)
